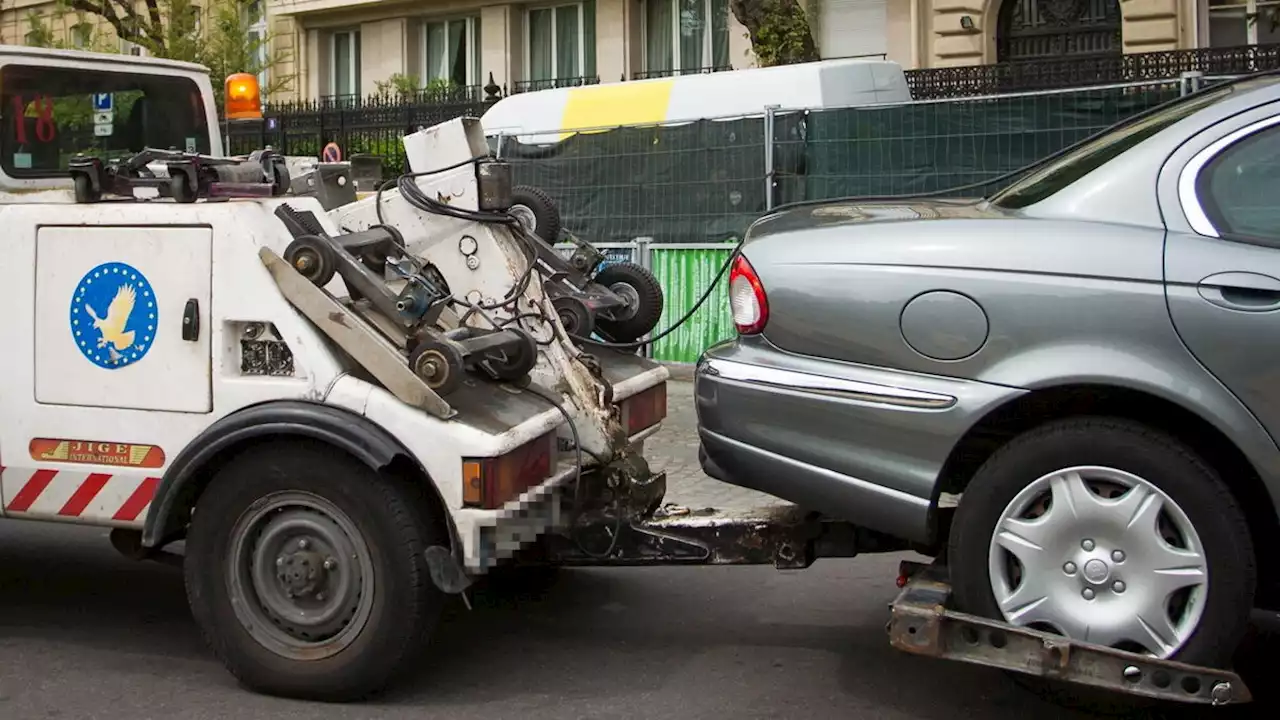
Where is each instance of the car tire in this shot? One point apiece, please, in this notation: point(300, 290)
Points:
point(306, 573)
point(532, 206)
point(1189, 494)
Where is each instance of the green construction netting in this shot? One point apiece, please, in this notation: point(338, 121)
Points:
point(704, 181)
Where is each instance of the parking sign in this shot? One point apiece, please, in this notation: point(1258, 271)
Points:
point(101, 102)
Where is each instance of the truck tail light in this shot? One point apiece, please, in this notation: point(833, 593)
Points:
point(490, 483)
point(644, 409)
point(747, 299)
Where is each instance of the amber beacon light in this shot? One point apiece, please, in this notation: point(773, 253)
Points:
point(243, 97)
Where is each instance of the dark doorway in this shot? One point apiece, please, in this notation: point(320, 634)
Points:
point(1058, 29)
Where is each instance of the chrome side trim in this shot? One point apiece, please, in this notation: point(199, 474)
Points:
point(851, 389)
point(1187, 197)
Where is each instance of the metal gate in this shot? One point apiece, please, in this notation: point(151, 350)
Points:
point(1038, 29)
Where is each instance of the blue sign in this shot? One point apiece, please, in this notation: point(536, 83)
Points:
point(113, 315)
point(102, 102)
point(615, 255)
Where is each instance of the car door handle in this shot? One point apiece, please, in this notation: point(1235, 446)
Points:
point(1243, 291)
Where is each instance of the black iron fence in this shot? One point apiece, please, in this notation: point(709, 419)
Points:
point(1055, 74)
point(369, 125)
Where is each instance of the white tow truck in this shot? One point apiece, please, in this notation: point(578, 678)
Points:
point(343, 417)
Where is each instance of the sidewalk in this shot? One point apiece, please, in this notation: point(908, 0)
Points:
point(675, 449)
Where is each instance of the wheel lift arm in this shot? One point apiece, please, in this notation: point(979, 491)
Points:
point(922, 624)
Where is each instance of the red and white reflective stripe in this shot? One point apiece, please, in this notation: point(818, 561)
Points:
point(90, 497)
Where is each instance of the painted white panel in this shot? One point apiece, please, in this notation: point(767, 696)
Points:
point(109, 317)
point(853, 27)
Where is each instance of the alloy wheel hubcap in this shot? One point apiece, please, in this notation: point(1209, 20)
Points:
point(1100, 555)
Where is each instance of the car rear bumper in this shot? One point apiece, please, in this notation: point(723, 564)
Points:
point(858, 443)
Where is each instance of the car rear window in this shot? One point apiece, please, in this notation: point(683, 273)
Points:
point(1092, 153)
point(48, 115)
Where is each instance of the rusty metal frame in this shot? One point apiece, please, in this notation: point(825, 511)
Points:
point(786, 537)
point(922, 624)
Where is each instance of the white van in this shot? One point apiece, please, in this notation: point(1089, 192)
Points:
point(541, 117)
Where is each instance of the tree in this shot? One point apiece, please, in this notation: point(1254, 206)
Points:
point(218, 38)
point(229, 47)
point(779, 31)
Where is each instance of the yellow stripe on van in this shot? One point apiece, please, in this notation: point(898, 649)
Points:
point(616, 104)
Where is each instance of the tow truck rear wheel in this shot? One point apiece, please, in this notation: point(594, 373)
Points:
point(305, 571)
point(1107, 531)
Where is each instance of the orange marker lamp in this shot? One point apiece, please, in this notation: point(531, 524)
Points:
point(243, 97)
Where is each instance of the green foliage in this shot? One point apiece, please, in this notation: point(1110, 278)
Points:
point(82, 34)
point(779, 31)
point(398, 86)
point(216, 36)
point(404, 87)
point(230, 48)
point(783, 36)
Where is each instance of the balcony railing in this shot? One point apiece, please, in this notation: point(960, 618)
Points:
point(650, 74)
point(340, 101)
point(551, 83)
point(1027, 75)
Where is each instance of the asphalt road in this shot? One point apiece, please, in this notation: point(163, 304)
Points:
point(86, 634)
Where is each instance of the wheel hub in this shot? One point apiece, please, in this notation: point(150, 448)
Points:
point(431, 366)
point(630, 298)
point(300, 576)
point(1121, 567)
point(304, 574)
point(1096, 571)
point(525, 216)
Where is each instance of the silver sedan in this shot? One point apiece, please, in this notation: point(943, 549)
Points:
point(1069, 391)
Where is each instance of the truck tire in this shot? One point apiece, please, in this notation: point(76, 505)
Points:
point(644, 295)
point(1076, 527)
point(536, 211)
point(306, 574)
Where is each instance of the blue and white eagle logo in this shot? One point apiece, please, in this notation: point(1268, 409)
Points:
point(114, 315)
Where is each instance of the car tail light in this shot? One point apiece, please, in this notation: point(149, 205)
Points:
point(490, 483)
point(644, 409)
point(746, 298)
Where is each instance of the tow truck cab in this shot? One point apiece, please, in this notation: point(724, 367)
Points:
point(57, 103)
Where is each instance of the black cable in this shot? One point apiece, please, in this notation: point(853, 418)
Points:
point(413, 194)
point(377, 206)
point(737, 249)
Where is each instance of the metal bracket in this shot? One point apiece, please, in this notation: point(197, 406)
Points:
point(921, 624)
point(353, 334)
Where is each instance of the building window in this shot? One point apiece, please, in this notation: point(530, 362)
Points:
point(197, 20)
point(1243, 22)
point(560, 41)
point(344, 63)
point(127, 47)
point(81, 35)
point(451, 51)
point(685, 35)
point(256, 20)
